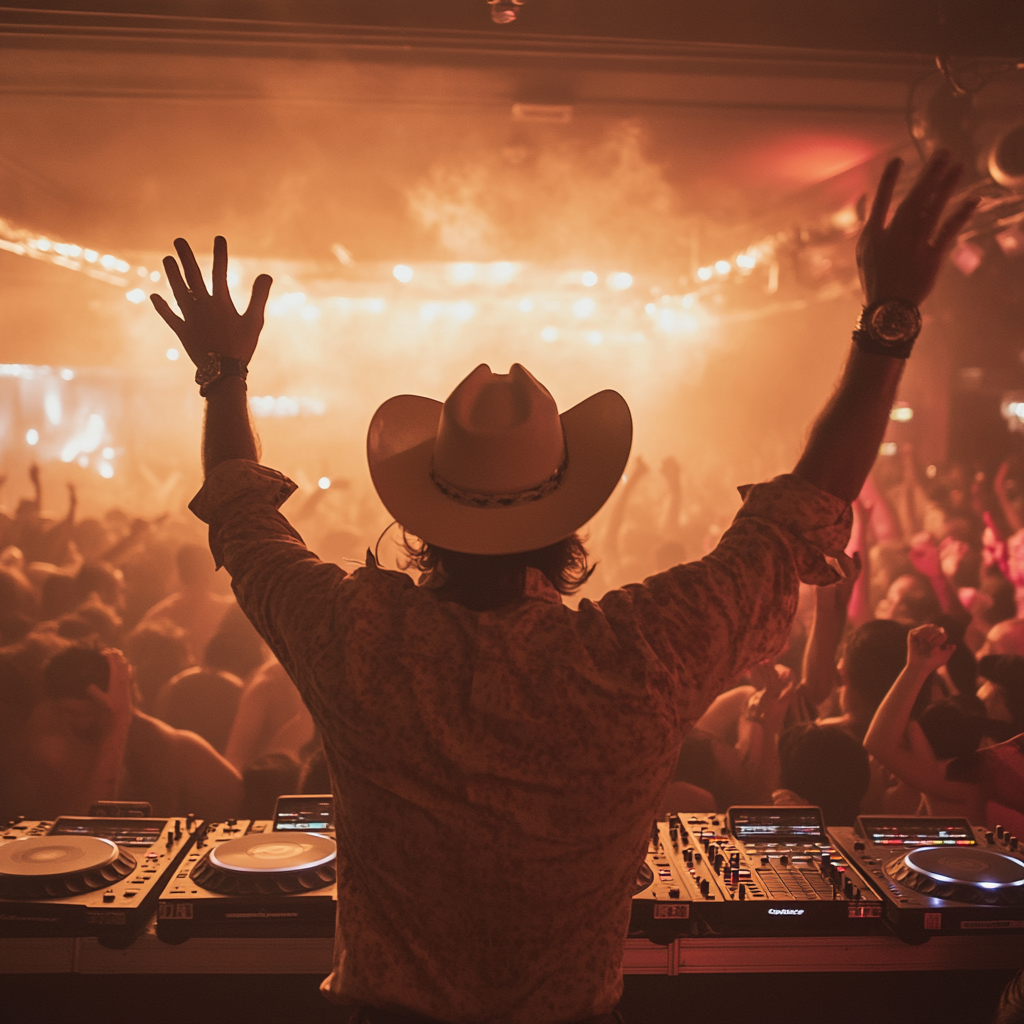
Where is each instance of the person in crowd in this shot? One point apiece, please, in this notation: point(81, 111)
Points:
point(195, 608)
point(918, 752)
point(157, 651)
point(80, 739)
point(1002, 688)
point(202, 700)
point(235, 647)
point(271, 719)
point(480, 734)
point(874, 655)
point(823, 766)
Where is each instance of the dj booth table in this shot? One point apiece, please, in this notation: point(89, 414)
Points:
point(795, 955)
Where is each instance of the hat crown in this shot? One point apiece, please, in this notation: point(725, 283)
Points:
point(499, 433)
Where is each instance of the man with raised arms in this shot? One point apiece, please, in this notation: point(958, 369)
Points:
point(497, 758)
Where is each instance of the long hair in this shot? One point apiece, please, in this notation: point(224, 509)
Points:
point(489, 581)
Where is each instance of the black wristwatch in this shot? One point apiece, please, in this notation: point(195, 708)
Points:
point(215, 367)
point(888, 328)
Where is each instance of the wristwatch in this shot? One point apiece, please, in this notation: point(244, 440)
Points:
point(215, 367)
point(888, 328)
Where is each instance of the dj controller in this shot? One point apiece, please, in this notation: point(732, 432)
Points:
point(764, 871)
point(939, 876)
point(87, 875)
point(257, 878)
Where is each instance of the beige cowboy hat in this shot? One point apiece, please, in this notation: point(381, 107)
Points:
point(495, 470)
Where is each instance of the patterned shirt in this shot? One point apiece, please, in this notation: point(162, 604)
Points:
point(496, 773)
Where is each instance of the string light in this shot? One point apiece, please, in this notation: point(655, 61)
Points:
point(102, 266)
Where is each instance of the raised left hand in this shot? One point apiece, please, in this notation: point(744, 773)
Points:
point(209, 321)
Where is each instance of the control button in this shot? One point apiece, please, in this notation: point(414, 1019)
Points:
point(673, 894)
point(764, 861)
point(858, 846)
point(784, 860)
point(108, 896)
point(129, 895)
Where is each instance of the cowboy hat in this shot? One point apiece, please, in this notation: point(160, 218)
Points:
point(495, 470)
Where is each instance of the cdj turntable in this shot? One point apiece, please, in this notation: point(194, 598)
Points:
point(661, 907)
point(87, 876)
point(766, 871)
point(939, 875)
point(257, 878)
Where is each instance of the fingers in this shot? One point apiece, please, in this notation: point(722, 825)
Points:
point(258, 299)
point(220, 266)
point(189, 265)
point(883, 196)
point(170, 318)
point(954, 224)
point(179, 289)
point(915, 204)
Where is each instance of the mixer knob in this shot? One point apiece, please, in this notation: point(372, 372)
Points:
point(719, 861)
point(1013, 842)
point(848, 888)
point(784, 860)
point(826, 859)
point(705, 887)
point(743, 892)
point(764, 861)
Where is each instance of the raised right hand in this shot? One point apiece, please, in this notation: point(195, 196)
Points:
point(928, 648)
point(209, 321)
point(901, 259)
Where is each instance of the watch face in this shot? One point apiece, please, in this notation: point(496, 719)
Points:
point(894, 322)
point(209, 369)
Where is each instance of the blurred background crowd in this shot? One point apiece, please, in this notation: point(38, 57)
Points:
point(199, 717)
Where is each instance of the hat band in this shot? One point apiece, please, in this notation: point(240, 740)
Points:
point(482, 499)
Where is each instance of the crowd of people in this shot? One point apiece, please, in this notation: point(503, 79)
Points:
point(897, 693)
point(128, 672)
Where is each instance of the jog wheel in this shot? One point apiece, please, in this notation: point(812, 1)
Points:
point(962, 875)
point(52, 867)
point(268, 865)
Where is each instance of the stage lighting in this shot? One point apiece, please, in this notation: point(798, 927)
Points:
point(589, 279)
point(503, 12)
point(324, 483)
point(1006, 158)
point(32, 437)
point(402, 273)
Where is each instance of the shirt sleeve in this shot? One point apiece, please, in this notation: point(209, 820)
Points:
point(708, 621)
point(288, 594)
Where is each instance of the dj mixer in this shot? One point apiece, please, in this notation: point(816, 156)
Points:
point(939, 876)
point(257, 878)
point(760, 871)
point(87, 875)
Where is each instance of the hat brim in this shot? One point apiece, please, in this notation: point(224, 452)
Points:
point(400, 446)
